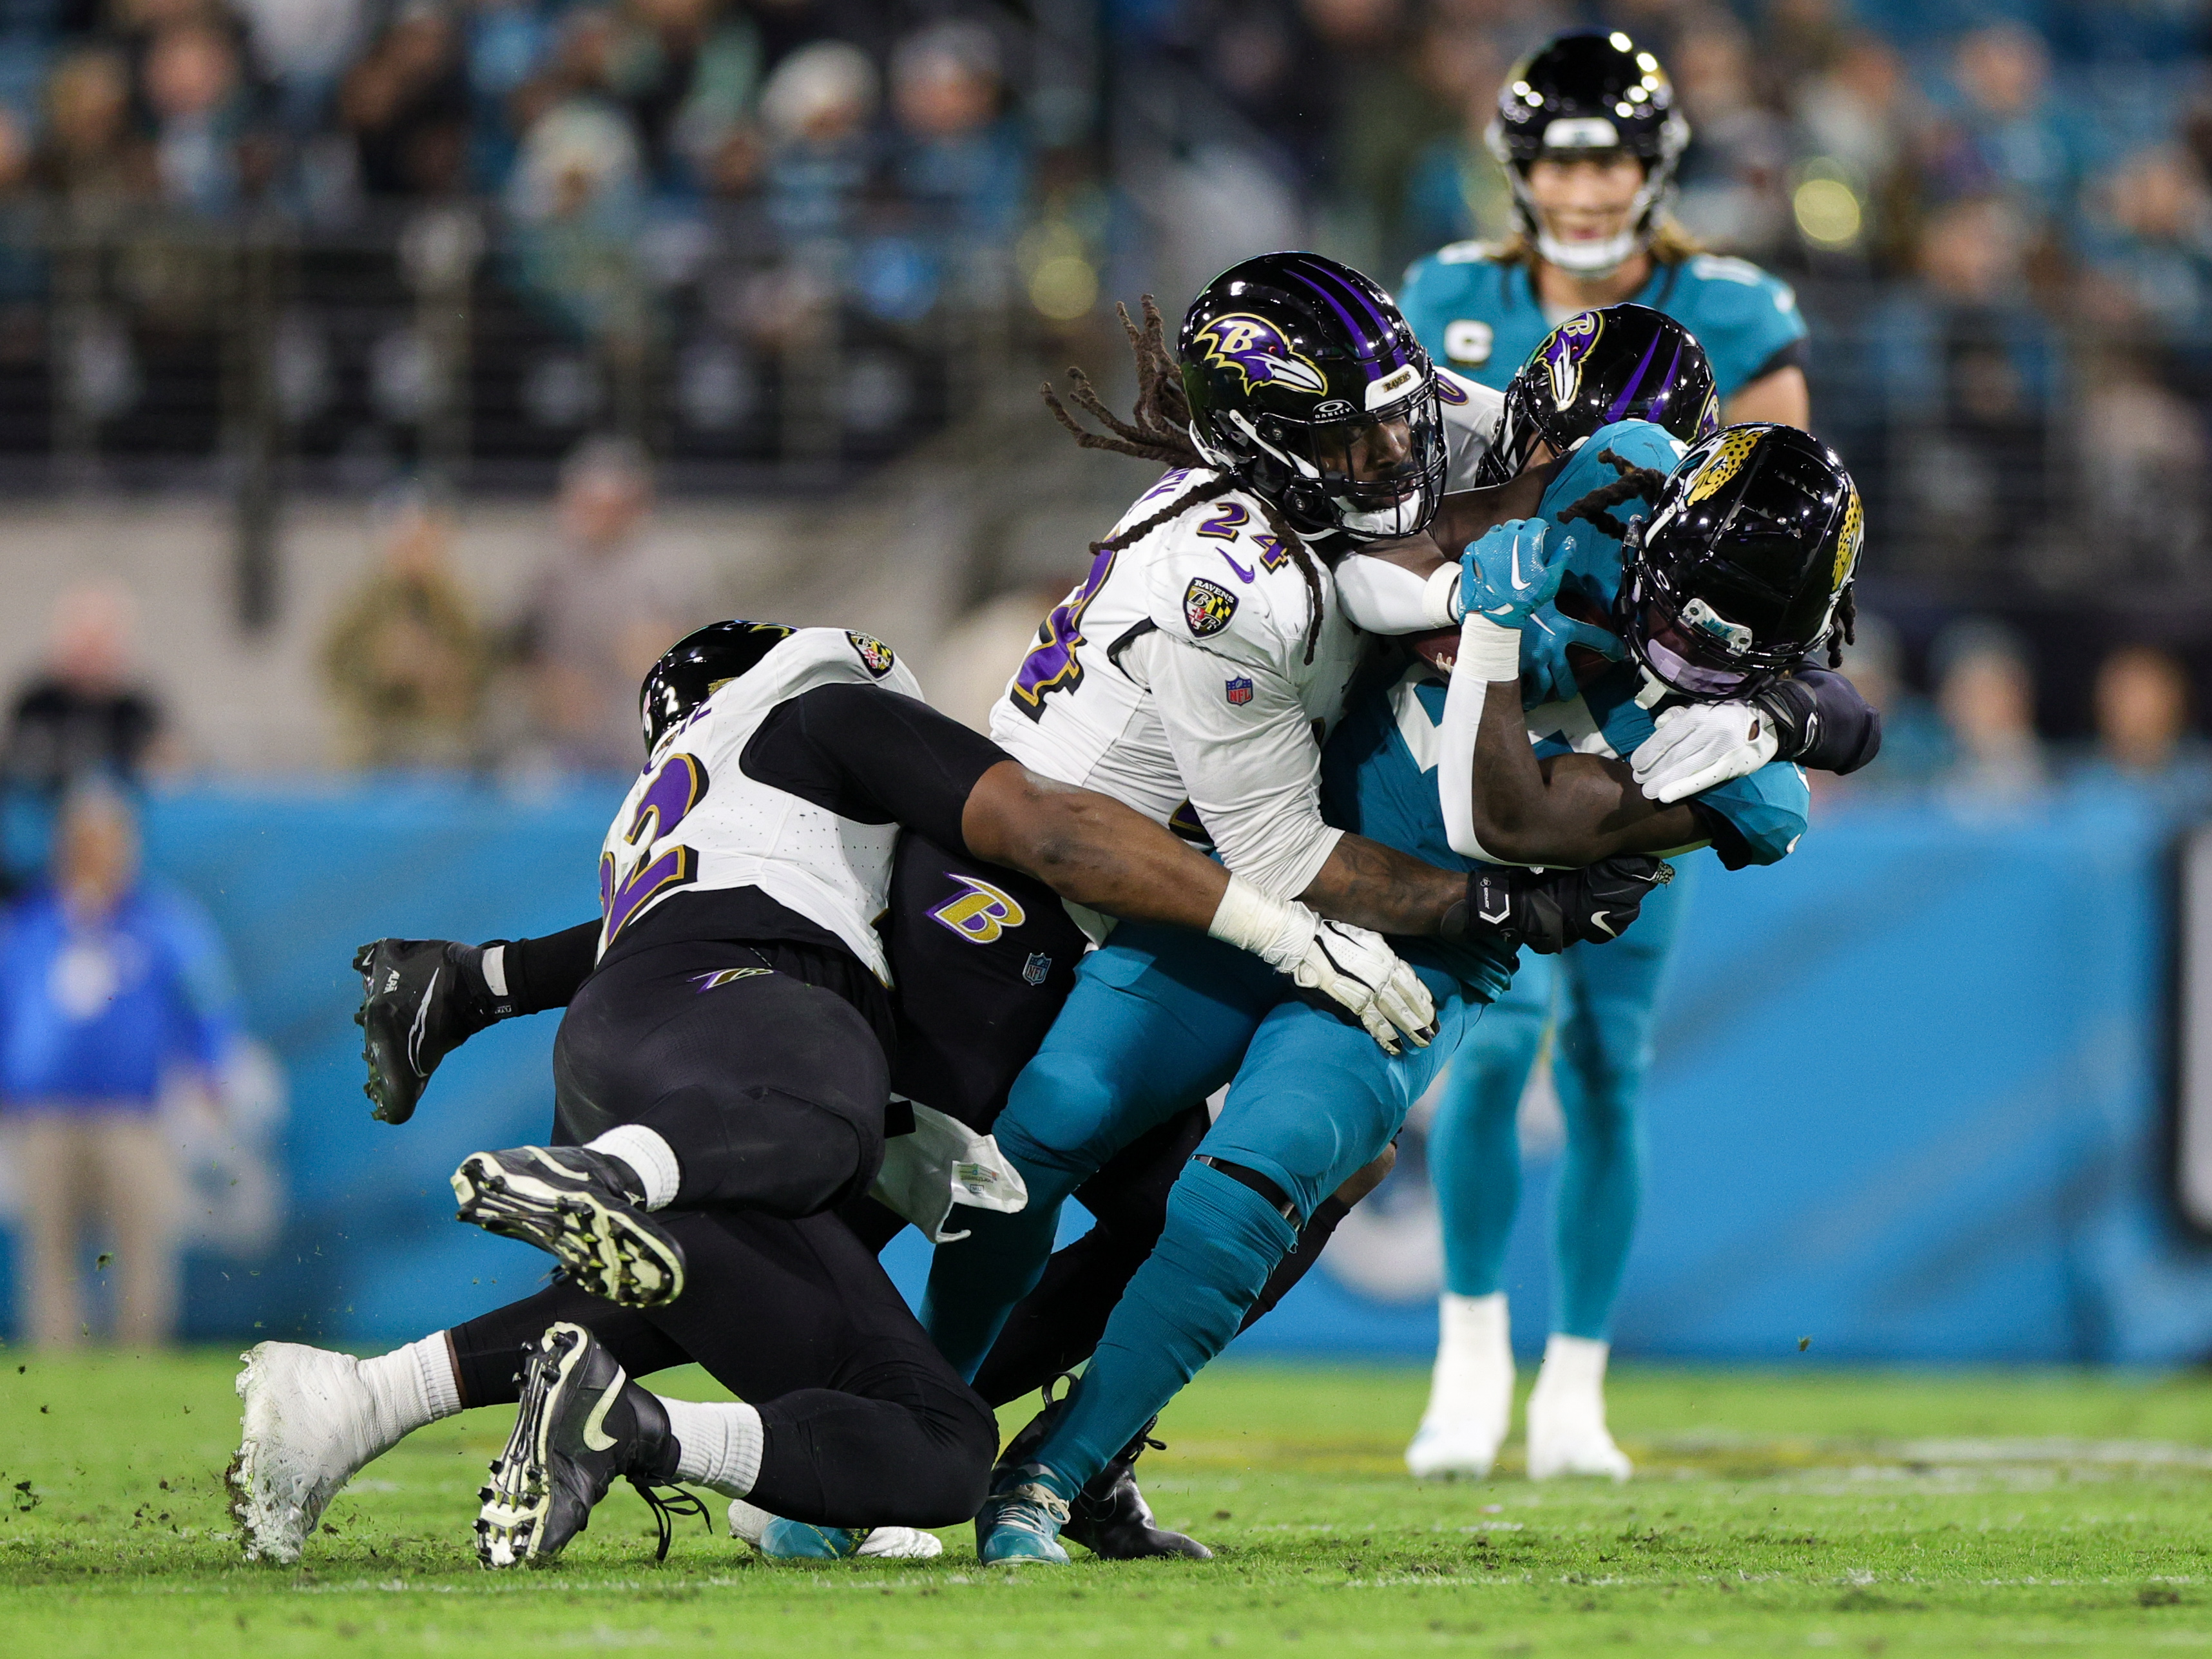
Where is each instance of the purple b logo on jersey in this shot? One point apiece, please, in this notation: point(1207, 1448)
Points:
point(1563, 352)
point(1257, 350)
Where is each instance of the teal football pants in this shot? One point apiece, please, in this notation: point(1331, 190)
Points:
point(1159, 1017)
point(1315, 1100)
point(1604, 998)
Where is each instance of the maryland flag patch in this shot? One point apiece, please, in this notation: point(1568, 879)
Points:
point(875, 655)
point(1207, 607)
point(1728, 460)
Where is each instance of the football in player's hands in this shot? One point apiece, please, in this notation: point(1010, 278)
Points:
point(1439, 649)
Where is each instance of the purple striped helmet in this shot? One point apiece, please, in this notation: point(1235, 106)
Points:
point(1307, 385)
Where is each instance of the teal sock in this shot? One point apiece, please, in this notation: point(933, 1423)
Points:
point(1475, 1139)
point(1601, 1190)
point(1221, 1242)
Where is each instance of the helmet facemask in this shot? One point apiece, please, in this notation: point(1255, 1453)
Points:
point(1374, 477)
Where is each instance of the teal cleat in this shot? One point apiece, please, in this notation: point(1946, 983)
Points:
point(779, 1539)
point(796, 1541)
point(1020, 1521)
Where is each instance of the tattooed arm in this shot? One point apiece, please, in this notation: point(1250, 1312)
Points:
point(1371, 885)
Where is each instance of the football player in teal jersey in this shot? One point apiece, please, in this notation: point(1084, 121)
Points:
point(1590, 137)
point(1594, 683)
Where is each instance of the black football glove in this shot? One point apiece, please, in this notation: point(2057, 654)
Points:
point(1547, 910)
point(420, 1000)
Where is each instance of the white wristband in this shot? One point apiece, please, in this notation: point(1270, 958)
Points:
point(1440, 595)
point(1487, 651)
point(495, 969)
point(1246, 917)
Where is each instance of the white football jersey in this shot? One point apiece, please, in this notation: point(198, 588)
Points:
point(694, 821)
point(1175, 677)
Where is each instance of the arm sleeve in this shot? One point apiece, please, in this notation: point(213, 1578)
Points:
point(1843, 730)
point(874, 756)
point(1382, 597)
point(1253, 769)
point(545, 972)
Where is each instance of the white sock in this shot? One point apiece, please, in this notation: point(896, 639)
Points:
point(1474, 1352)
point(651, 1156)
point(1573, 1365)
point(411, 1386)
point(720, 1445)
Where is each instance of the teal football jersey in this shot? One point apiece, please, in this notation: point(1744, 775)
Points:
point(1482, 318)
point(1379, 768)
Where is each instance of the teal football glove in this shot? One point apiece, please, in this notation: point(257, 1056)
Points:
point(1546, 675)
point(1505, 576)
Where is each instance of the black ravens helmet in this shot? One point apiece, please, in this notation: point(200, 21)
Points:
point(697, 666)
point(1585, 94)
point(1747, 556)
point(1624, 362)
point(1307, 385)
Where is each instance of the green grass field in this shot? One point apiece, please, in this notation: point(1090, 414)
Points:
point(1773, 1510)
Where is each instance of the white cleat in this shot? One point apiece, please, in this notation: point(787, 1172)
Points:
point(311, 1423)
point(1567, 1433)
point(1471, 1393)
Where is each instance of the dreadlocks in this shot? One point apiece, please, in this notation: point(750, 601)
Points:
point(1632, 481)
point(1847, 617)
point(1158, 429)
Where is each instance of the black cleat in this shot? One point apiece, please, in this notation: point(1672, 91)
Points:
point(582, 1426)
point(1110, 1517)
point(582, 1207)
point(421, 998)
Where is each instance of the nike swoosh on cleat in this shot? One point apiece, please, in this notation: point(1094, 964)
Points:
point(421, 1023)
point(595, 1435)
point(1598, 919)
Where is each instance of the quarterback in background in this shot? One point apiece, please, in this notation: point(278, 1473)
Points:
point(1589, 138)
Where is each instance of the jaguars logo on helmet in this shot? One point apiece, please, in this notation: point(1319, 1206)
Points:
point(1727, 461)
point(1741, 569)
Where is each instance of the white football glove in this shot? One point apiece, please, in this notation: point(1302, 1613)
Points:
point(1350, 966)
point(1700, 745)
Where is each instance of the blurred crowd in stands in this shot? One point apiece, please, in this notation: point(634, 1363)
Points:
point(559, 108)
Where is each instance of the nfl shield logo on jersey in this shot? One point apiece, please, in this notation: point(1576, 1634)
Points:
point(1037, 968)
point(1240, 690)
